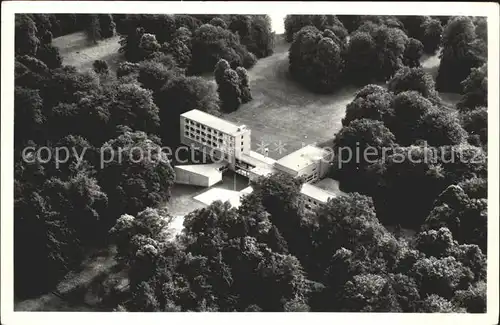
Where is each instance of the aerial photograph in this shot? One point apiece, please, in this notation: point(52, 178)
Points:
point(250, 163)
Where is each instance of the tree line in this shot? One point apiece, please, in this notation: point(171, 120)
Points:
point(270, 254)
point(329, 51)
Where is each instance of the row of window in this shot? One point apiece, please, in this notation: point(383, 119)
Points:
point(203, 140)
point(312, 177)
point(195, 125)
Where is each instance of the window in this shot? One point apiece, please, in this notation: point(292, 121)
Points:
point(241, 142)
point(241, 149)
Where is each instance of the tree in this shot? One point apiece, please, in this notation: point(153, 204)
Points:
point(93, 29)
point(415, 25)
point(28, 115)
point(137, 176)
point(152, 223)
point(49, 54)
point(410, 109)
point(461, 52)
point(255, 33)
point(315, 60)
point(66, 84)
point(148, 45)
point(432, 35)
point(107, 25)
point(100, 67)
point(437, 304)
point(67, 23)
point(212, 43)
point(179, 95)
point(127, 69)
point(218, 22)
point(473, 299)
point(47, 38)
point(228, 87)
point(180, 47)
point(475, 88)
point(475, 122)
point(294, 23)
point(388, 179)
point(187, 21)
point(276, 241)
point(26, 41)
point(246, 95)
point(54, 219)
point(350, 146)
point(134, 107)
point(481, 28)
point(414, 79)
point(361, 59)
point(442, 276)
point(370, 102)
point(371, 293)
point(413, 51)
point(129, 45)
point(464, 215)
point(154, 75)
point(440, 127)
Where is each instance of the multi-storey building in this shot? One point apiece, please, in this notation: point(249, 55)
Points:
point(220, 139)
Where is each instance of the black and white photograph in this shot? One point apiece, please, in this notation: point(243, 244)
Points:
point(219, 157)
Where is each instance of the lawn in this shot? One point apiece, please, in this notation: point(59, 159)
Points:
point(77, 51)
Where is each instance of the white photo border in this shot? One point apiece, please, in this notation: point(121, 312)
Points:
point(9, 8)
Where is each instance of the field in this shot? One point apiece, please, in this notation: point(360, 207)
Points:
point(282, 116)
point(76, 51)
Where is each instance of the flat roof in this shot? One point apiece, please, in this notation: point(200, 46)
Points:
point(209, 170)
point(262, 170)
point(301, 158)
point(268, 160)
point(316, 193)
point(256, 159)
point(213, 121)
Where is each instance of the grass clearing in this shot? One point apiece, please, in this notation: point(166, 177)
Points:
point(75, 50)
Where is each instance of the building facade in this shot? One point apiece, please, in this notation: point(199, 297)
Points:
point(220, 139)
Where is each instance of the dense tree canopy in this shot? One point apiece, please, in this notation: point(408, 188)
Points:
point(212, 43)
point(475, 88)
point(136, 177)
point(462, 51)
point(26, 40)
point(294, 23)
point(374, 53)
point(315, 59)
